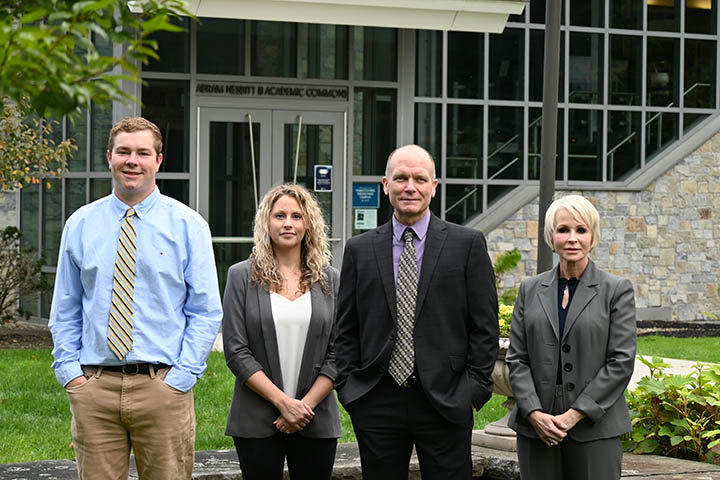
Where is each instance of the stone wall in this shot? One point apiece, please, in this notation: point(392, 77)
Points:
point(665, 239)
point(8, 213)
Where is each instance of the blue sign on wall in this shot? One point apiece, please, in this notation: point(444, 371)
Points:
point(323, 178)
point(366, 195)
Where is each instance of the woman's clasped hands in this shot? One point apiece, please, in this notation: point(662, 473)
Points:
point(552, 429)
point(294, 415)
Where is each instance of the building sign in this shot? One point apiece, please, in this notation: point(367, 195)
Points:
point(366, 195)
point(264, 90)
point(323, 178)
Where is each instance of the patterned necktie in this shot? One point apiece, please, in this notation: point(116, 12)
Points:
point(402, 359)
point(120, 336)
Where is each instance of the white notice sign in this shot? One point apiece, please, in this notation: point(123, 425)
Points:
point(365, 218)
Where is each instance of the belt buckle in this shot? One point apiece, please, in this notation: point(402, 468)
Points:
point(133, 370)
point(410, 381)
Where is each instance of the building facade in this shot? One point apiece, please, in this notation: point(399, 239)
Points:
point(246, 104)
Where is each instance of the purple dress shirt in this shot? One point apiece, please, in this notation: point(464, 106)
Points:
point(420, 229)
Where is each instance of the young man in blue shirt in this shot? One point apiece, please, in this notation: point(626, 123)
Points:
point(135, 312)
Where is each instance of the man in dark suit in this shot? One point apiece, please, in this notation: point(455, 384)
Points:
point(417, 331)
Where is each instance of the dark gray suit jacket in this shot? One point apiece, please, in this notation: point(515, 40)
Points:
point(597, 352)
point(250, 344)
point(456, 326)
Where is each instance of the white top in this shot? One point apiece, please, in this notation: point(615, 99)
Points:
point(292, 319)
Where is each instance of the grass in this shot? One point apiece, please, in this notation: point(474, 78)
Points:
point(701, 349)
point(35, 415)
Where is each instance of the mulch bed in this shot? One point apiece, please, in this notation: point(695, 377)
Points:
point(678, 329)
point(30, 335)
point(24, 335)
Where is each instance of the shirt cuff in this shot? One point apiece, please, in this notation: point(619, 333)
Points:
point(68, 371)
point(179, 379)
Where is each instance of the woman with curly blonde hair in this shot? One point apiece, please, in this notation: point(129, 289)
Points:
point(279, 314)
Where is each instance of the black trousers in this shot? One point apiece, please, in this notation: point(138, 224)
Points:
point(307, 458)
point(390, 419)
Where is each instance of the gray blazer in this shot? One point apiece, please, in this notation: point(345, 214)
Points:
point(250, 344)
point(597, 352)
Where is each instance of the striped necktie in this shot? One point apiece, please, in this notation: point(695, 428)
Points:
point(402, 359)
point(120, 329)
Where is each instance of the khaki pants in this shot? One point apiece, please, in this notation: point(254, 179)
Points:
point(113, 413)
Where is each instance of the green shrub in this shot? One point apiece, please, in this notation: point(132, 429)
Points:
point(675, 415)
point(19, 271)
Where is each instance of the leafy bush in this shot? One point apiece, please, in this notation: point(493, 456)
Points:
point(675, 415)
point(506, 300)
point(504, 317)
point(19, 271)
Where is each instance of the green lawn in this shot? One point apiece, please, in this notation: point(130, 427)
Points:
point(702, 349)
point(35, 416)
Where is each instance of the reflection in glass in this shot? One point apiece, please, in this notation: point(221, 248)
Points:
point(375, 129)
point(464, 141)
point(165, 103)
point(51, 219)
point(77, 130)
point(537, 66)
point(463, 202)
point(663, 63)
point(587, 13)
point(661, 129)
point(177, 189)
point(316, 148)
point(623, 156)
point(586, 67)
point(176, 46)
point(505, 143)
point(585, 139)
point(232, 201)
point(700, 16)
point(428, 129)
point(537, 11)
point(535, 144)
point(74, 195)
point(226, 255)
point(497, 192)
point(507, 59)
point(29, 212)
point(375, 53)
point(100, 187)
point(428, 63)
point(691, 120)
point(626, 14)
point(228, 60)
point(273, 47)
point(100, 125)
point(46, 297)
point(700, 73)
point(465, 64)
point(625, 70)
point(324, 51)
point(663, 15)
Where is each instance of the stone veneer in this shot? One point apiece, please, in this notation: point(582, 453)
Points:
point(8, 212)
point(665, 238)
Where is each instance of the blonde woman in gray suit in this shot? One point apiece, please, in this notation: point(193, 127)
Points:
point(571, 356)
point(278, 322)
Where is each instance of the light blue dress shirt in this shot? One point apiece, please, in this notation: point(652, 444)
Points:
point(177, 309)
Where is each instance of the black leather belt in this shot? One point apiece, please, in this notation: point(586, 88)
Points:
point(132, 368)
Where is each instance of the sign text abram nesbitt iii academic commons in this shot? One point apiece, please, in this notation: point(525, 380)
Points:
point(255, 90)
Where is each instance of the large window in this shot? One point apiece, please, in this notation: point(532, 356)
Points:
point(635, 77)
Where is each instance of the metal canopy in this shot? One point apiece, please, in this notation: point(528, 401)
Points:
point(454, 15)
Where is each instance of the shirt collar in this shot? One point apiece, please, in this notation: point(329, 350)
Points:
point(141, 208)
point(420, 227)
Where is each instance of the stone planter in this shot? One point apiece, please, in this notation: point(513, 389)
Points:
point(497, 434)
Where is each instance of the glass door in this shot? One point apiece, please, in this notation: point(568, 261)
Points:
point(234, 171)
point(317, 153)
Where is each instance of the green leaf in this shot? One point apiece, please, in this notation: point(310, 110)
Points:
point(652, 385)
point(676, 440)
point(647, 446)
